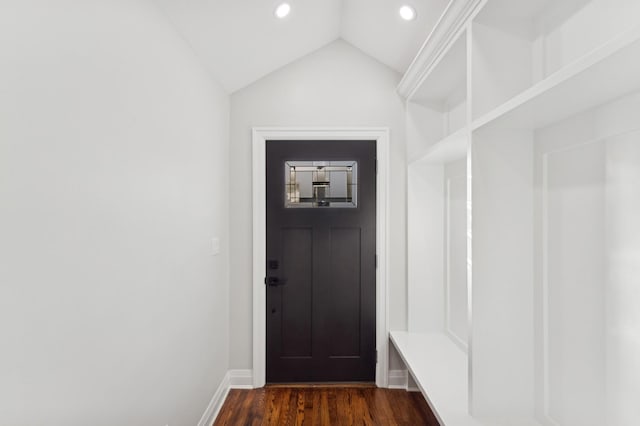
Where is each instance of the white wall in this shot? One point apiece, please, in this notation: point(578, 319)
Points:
point(425, 243)
point(335, 86)
point(501, 343)
point(424, 127)
point(574, 256)
point(113, 179)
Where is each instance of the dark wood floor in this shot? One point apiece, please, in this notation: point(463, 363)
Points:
point(318, 405)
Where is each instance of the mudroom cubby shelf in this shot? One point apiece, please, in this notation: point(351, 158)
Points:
point(435, 347)
point(438, 108)
point(448, 149)
point(523, 148)
point(602, 75)
point(519, 43)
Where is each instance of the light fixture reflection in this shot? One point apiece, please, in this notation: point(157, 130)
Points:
point(407, 13)
point(282, 10)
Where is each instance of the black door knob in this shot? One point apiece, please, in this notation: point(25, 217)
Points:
point(273, 281)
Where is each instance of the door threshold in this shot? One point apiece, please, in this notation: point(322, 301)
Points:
point(322, 385)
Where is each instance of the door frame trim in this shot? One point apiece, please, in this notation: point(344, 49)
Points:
point(260, 137)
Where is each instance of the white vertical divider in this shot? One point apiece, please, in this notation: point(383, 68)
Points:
point(622, 299)
point(469, 160)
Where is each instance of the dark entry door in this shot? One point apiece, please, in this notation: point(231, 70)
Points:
point(321, 281)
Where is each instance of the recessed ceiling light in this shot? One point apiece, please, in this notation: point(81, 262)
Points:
point(407, 13)
point(282, 10)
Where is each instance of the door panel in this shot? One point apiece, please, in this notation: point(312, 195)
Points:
point(344, 286)
point(321, 202)
point(296, 317)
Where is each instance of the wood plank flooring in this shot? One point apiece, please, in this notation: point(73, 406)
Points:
point(325, 405)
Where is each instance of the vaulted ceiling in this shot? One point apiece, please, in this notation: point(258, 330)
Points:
point(241, 41)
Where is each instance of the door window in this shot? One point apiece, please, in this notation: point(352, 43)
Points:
point(327, 184)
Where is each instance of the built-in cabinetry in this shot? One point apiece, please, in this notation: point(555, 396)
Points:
point(523, 127)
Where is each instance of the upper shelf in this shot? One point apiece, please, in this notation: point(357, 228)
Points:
point(601, 76)
point(525, 18)
point(451, 148)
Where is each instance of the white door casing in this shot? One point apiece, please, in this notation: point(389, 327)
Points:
point(260, 137)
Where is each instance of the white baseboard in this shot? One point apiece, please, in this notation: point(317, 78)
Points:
point(547, 420)
point(241, 379)
point(401, 379)
point(215, 405)
point(398, 379)
point(234, 379)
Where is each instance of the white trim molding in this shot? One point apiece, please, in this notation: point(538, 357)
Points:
point(233, 379)
point(241, 379)
point(217, 400)
point(446, 31)
point(260, 137)
point(401, 379)
point(398, 379)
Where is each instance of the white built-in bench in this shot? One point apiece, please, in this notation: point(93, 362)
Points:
point(439, 368)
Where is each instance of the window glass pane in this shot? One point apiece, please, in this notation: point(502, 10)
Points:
point(324, 184)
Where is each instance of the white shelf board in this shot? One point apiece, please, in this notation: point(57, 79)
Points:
point(439, 368)
point(603, 75)
point(452, 147)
